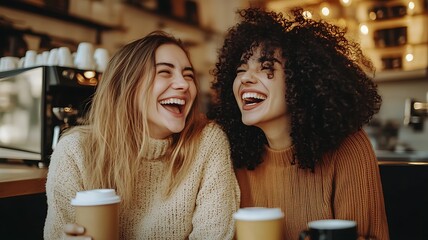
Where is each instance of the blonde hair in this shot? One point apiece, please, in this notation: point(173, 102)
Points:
point(116, 132)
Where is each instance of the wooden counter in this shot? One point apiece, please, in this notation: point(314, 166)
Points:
point(20, 179)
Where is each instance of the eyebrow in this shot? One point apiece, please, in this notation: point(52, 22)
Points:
point(172, 66)
point(263, 59)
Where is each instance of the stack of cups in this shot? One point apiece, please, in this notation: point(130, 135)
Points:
point(30, 59)
point(53, 57)
point(258, 223)
point(98, 212)
point(8, 63)
point(64, 57)
point(101, 57)
point(89, 59)
point(85, 58)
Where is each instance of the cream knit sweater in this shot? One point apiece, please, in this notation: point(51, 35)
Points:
point(200, 208)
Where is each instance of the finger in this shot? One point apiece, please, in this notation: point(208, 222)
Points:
point(73, 229)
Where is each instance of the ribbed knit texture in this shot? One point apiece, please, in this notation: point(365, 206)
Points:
point(345, 185)
point(200, 208)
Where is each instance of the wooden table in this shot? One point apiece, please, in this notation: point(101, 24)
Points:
point(20, 179)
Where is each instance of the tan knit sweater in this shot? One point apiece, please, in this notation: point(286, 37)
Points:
point(200, 208)
point(346, 185)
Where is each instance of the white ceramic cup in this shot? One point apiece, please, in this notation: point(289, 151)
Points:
point(102, 58)
point(53, 57)
point(45, 57)
point(39, 60)
point(84, 58)
point(8, 63)
point(64, 57)
point(30, 59)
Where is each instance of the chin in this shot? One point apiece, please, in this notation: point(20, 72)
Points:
point(249, 122)
point(176, 129)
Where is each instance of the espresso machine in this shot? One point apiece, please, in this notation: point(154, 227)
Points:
point(37, 104)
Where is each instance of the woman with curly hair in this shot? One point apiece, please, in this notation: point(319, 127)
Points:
point(292, 96)
point(146, 138)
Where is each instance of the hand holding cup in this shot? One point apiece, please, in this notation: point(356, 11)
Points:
point(98, 212)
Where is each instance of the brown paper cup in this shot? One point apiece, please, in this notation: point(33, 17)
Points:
point(98, 211)
point(258, 223)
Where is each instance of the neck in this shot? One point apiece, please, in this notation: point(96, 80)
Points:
point(278, 133)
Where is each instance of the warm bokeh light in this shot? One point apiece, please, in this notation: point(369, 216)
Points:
point(364, 29)
point(409, 57)
point(346, 2)
point(89, 74)
point(411, 5)
point(307, 14)
point(325, 11)
point(372, 16)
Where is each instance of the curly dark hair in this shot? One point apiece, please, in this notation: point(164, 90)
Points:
point(329, 94)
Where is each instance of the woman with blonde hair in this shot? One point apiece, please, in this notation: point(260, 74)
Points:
point(145, 138)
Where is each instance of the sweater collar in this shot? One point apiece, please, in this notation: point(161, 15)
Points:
point(156, 148)
point(279, 157)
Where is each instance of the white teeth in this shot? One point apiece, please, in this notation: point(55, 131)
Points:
point(253, 95)
point(173, 101)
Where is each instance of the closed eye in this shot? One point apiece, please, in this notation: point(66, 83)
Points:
point(164, 73)
point(239, 70)
point(189, 77)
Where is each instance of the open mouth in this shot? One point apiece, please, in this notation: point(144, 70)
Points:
point(174, 105)
point(252, 98)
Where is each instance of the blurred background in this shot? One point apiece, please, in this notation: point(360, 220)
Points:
point(394, 34)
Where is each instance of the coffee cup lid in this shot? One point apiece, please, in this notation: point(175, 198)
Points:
point(95, 197)
point(258, 214)
point(332, 224)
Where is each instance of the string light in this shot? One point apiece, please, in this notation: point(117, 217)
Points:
point(346, 2)
point(364, 29)
point(409, 57)
point(325, 11)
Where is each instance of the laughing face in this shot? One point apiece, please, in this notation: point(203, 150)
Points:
point(173, 92)
point(259, 89)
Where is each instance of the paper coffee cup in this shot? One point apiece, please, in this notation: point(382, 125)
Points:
point(98, 211)
point(258, 223)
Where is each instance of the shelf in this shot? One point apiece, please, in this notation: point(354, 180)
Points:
point(60, 15)
point(397, 75)
point(173, 18)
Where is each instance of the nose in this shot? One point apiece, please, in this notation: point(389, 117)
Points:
point(180, 83)
point(248, 77)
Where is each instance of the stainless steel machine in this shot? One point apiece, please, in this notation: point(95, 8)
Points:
point(37, 104)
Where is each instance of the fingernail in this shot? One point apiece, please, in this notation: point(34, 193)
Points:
point(81, 229)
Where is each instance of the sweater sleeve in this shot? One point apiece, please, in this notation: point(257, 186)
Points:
point(63, 181)
point(218, 196)
point(358, 191)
